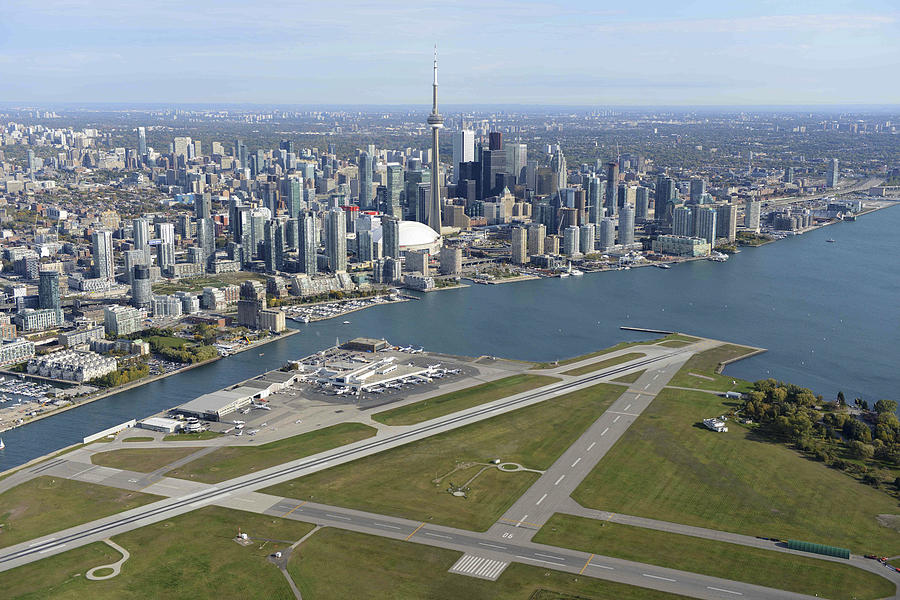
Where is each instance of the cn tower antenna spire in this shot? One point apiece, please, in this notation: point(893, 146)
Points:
point(436, 122)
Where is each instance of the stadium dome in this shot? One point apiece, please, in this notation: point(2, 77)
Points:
point(414, 236)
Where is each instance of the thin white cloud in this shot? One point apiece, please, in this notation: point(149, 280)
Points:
point(810, 22)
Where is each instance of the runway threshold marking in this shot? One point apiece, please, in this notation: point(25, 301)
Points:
point(295, 508)
point(586, 564)
point(414, 531)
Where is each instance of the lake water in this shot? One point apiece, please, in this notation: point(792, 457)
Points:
point(829, 314)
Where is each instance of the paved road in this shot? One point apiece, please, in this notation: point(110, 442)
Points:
point(553, 489)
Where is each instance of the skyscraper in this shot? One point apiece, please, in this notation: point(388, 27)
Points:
point(626, 225)
point(607, 233)
point(202, 205)
point(394, 189)
point(612, 187)
point(48, 293)
point(641, 203)
point(570, 240)
point(336, 239)
point(594, 200)
point(308, 244)
point(104, 267)
point(365, 181)
point(726, 221)
point(833, 175)
point(705, 224)
point(141, 294)
point(390, 238)
point(519, 245)
point(141, 229)
point(586, 241)
point(751, 214)
point(206, 239)
point(683, 221)
point(463, 150)
point(536, 234)
point(436, 122)
point(142, 144)
point(698, 188)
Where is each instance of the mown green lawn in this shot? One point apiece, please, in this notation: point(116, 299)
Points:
point(231, 461)
point(706, 363)
point(335, 565)
point(668, 466)
point(801, 574)
point(44, 505)
point(401, 481)
point(452, 402)
point(142, 460)
point(188, 557)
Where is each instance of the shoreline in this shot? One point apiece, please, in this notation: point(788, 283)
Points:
point(144, 381)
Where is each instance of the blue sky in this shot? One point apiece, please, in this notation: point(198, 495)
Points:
point(506, 51)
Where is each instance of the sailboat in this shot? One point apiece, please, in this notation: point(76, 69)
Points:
point(2, 445)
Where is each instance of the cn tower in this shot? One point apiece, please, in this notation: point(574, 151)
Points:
point(436, 122)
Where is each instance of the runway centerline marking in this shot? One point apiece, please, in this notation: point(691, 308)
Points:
point(338, 517)
point(627, 407)
point(658, 577)
point(604, 432)
point(561, 477)
point(616, 420)
point(541, 500)
point(491, 545)
point(577, 460)
point(591, 446)
point(715, 589)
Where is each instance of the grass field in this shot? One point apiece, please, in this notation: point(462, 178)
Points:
point(609, 362)
point(706, 363)
point(335, 564)
point(674, 344)
point(43, 505)
point(167, 341)
point(196, 284)
point(140, 438)
point(630, 378)
point(142, 460)
point(668, 467)
point(801, 574)
point(461, 399)
point(620, 346)
point(229, 462)
point(400, 481)
point(191, 437)
point(188, 557)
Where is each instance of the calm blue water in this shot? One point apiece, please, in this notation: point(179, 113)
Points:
point(828, 313)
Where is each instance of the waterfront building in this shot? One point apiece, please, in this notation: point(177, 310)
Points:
point(15, 350)
point(536, 234)
point(752, 209)
point(336, 240)
point(594, 199)
point(551, 244)
point(104, 267)
point(726, 221)
point(451, 261)
point(683, 221)
point(705, 224)
point(417, 261)
point(519, 245)
point(679, 245)
point(166, 306)
point(72, 365)
point(252, 301)
point(666, 194)
point(272, 319)
point(586, 235)
point(123, 320)
point(570, 240)
point(418, 281)
point(626, 226)
point(607, 234)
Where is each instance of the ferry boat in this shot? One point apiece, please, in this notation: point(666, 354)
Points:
point(830, 241)
point(718, 257)
point(664, 266)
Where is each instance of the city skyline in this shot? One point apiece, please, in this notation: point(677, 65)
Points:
point(502, 53)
